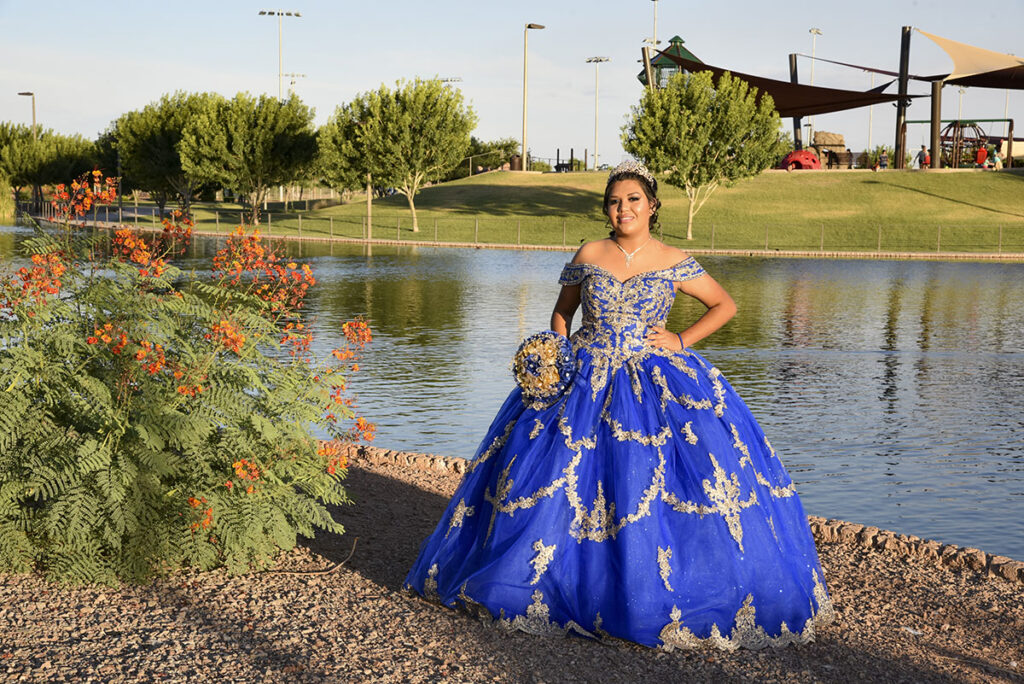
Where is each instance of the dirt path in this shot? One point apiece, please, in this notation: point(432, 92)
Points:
point(901, 619)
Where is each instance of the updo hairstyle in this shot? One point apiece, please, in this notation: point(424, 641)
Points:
point(631, 170)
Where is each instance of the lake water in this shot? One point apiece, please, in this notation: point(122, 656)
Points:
point(893, 391)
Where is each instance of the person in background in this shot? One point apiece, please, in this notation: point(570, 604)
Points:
point(883, 160)
point(922, 158)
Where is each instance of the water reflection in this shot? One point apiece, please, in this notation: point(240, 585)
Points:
point(892, 390)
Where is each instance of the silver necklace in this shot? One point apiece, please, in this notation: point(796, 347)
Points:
point(629, 255)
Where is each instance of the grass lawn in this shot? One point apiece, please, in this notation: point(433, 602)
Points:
point(848, 210)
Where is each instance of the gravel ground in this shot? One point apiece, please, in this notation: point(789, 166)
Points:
point(902, 618)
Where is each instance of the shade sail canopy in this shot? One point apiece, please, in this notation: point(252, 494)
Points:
point(975, 66)
point(794, 99)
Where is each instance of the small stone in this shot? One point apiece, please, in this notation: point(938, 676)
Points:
point(848, 533)
point(884, 540)
point(1008, 569)
point(929, 549)
point(975, 559)
point(867, 535)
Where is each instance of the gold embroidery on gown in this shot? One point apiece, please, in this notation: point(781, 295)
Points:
point(615, 316)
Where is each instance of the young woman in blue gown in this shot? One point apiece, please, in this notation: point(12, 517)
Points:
point(645, 503)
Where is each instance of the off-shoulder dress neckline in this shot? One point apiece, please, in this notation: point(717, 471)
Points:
point(636, 275)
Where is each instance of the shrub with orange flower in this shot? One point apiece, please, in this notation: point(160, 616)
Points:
point(176, 235)
point(134, 429)
point(247, 264)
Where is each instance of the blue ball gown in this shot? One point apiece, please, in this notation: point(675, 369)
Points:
point(644, 504)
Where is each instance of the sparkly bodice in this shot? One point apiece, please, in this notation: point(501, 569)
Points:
point(617, 314)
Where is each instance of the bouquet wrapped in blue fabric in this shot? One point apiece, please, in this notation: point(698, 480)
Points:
point(544, 366)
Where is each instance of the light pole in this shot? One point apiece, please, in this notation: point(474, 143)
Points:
point(1006, 112)
point(654, 38)
point(815, 32)
point(526, 33)
point(960, 105)
point(280, 57)
point(871, 112)
point(28, 93)
point(596, 61)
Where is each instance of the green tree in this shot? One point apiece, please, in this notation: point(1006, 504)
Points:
point(148, 142)
point(249, 144)
point(699, 135)
point(52, 158)
point(345, 157)
point(411, 135)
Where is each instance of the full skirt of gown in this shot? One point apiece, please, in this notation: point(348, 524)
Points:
point(645, 503)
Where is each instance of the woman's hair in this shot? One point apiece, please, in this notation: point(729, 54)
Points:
point(637, 172)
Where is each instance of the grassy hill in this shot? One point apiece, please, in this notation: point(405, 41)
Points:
point(909, 211)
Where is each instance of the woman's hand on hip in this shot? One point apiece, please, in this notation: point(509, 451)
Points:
point(660, 337)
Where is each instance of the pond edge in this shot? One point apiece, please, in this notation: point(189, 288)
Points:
point(825, 530)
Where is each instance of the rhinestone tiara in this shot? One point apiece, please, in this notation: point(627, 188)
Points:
point(634, 167)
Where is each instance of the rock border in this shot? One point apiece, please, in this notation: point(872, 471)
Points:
point(825, 530)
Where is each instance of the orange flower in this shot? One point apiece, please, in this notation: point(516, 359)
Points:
point(357, 332)
point(228, 335)
point(246, 470)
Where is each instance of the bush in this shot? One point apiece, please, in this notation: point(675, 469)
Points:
point(153, 419)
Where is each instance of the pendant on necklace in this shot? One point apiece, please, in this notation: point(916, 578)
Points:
point(629, 255)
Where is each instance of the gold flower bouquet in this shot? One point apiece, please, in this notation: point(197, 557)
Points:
point(543, 367)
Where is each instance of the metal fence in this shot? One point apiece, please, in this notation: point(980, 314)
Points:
point(565, 231)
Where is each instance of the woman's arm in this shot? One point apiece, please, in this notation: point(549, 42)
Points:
point(720, 306)
point(566, 305)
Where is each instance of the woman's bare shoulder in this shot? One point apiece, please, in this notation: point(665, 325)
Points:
point(590, 252)
point(671, 255)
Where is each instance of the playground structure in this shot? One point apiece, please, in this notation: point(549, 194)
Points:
point(963, 143)
point(972, 67)
point(798, 160)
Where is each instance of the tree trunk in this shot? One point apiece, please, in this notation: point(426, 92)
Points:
point(186, 203)
point(689, 219)
point(256, 198)
point(412, 208)
point(161, 204)
point(369, 207)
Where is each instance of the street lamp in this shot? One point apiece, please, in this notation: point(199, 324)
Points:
point(526, 32)
point(815, 32)
point(960, 106)
point(28, 93)
point(280, 59)
point(596, 61)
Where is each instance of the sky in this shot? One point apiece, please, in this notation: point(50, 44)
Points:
point(90, 62)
